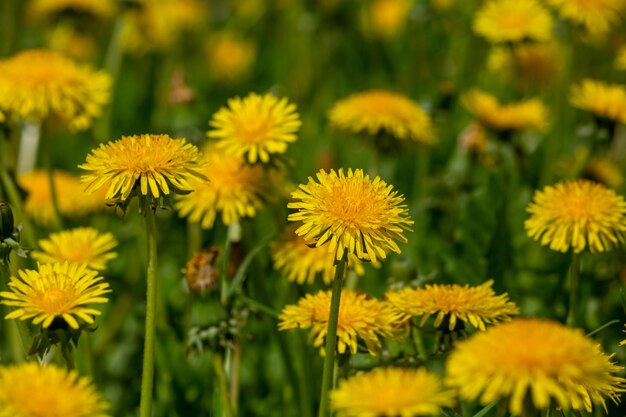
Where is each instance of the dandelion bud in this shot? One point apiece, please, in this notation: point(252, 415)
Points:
point(6, 221)
point(201, 273)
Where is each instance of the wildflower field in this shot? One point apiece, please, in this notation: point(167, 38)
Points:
point(300, 208)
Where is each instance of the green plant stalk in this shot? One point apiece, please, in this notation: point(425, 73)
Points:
point(574, 284)
point(58, 220)
point(147, 377)
point(218, 365)
point(235, 365)
point(10, 330)
point(331, 337)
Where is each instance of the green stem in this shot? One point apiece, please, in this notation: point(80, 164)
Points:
point(235, 365)
point(218, 365)
point(194, 238)
point(147, 377)
point(58, 220)
point(16, 204)
point(331, 338)
point(574, 283)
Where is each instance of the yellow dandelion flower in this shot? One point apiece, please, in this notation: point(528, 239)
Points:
point(501, 21)
point(59, 290)
point(605, 171)
point(352, 212)
point(376, 111)
point(36, 84)
point(73, 201)
point(83, 245)
point(149, 164)
point(605, 100)
point(301, 262)
point(523, 115)
point(385, 18)
point(620, 61)
point(450, 303)
point(230, 57)
point(235, 189)
point(391, 392)
point(530, 64)
point(46, 9)
point(534, 361)
point(255, 127)
point(30, 390)
point(596, 16)
point(360, 317)
point(577, 214)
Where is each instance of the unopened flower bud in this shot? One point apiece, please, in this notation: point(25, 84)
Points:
point(201, 273)
point(6, 221)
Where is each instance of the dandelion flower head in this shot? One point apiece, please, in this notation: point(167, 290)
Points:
point(597, 17)
point(605, 171)
point(59, 290)
point(604, 100)
point(255, 127)
point(536, 361)
point(230, 56)
point(391, 392)
point(474, 305)
point(577, 214)
point(385, 18)
point(83, 245)
point(501, 21)
point(520, 116)
point(151, 165)
point(360, 317)
point(377, 111)
point(31, 390)
point(73, 201)
point(351, 212)
point(36, 84)
point(235, 189)
point(40, 9)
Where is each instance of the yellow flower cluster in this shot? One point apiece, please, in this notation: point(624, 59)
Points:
point(602, 99)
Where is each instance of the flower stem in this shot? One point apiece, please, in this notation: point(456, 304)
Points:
point(58, 221)
point(16, 333)
point(574, 283)
point(218, 364)
point(147, 377)
point(331, 337)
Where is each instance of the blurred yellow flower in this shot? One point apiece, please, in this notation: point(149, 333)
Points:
point(602, 99)
point(255, 127)
point(55, 291)
point(391, 392)
point(31, 390)
point(385, 18)
point(230, 57)
point(73, 201)
point(597, 17)
point(450, 303)
point(522, 115)
point(376, 111)
point(36, 84)
point(605, 171)
point(300, 261)
point(535, 362)
point(501, 21)
point(530, 64)
point(48, 9)
point(83, 245)
point(620, 61)
point(146, 164)
point(235, 189)
point(360, 317)
point(578, 214)
point(355, 214)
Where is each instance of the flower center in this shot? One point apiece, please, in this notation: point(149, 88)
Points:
point(56, 294)
point(254, 129)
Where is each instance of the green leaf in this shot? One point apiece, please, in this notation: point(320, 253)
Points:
point(485, 410)
point(240, 276)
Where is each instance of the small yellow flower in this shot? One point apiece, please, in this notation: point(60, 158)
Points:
point(597, 17)
point(605, 171)
point(602, 99)
point(255, 127)
point(37, 84)
point(378, 111)
point(149, 164)
point(359, 317)
point(48, 9)
point(578, 214)
point(230, 57)
point(523, 115)
point(391, 392)
point(355, 214)
point(474, 305)
point(59, 290)
point(235, 189)
point(72, 200)
point(534, 361)
point(82, 245)
point(30, 390)
point(385, 18)
point(501, 21)
point(301, 261)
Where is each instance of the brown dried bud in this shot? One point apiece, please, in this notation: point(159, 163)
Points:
point(201, 272)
